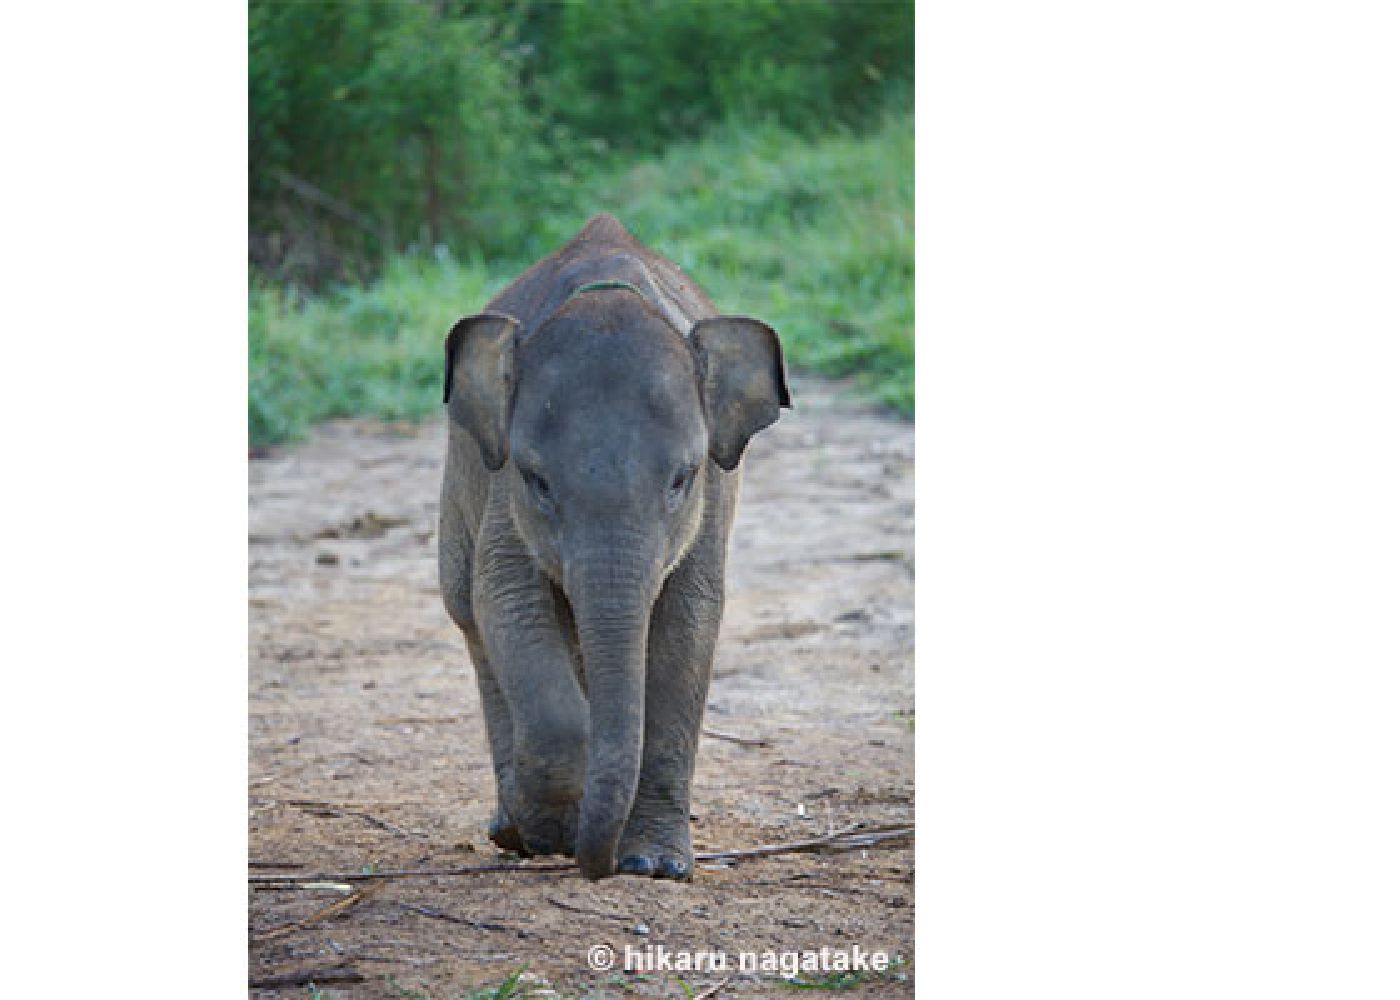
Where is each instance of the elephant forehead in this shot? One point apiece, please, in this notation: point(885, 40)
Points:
point(630, 413)
point(636, 375)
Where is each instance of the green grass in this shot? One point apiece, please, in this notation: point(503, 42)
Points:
point(510, 989)
point(373, 351)
point(850, 979)
point(814, 236)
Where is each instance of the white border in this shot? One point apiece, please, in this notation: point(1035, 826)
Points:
point(1159, 517)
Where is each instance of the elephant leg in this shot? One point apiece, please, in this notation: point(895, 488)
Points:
point(455, 561)
point(502, 829)
point(680, 653)
point(532, 683)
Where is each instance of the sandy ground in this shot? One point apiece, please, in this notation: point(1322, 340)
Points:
point(367, 750)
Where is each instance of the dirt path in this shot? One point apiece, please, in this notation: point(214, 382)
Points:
point(366, 745)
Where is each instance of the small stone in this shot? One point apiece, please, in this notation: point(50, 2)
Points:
point(641, 930)
point(327, 559)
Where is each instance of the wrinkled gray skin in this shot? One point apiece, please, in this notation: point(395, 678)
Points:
point(592, 472)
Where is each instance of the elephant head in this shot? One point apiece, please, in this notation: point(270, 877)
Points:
point(605, 425)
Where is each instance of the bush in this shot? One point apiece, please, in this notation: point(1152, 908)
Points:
point(397, 127)
point(641, 73)
point(380, 127)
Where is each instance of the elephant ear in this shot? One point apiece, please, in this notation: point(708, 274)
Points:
point(480, 382)
point(744, 382)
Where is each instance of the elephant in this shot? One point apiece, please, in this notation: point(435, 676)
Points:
point(598, 412)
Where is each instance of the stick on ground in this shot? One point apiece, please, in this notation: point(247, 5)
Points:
point(324, 913)
point(850, 838)
point(714, 990)
point(575, 908)
point(743, 741)
point(285, 980)
point(327, 809)
point(482, 925)
point(292, 881)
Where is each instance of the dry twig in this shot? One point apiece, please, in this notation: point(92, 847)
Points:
point(483, 925)
point(324, 913)
point(575, 908)
point(714, 990)
point(744, 741)
point(850, 838)
point(333, 974)
point(799, 881)
point(291, 881)
point(331, 809)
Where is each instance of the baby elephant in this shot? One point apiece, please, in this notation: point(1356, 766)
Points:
point(599, 410)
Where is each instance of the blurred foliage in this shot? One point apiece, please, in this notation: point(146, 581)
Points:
point(412, 122)
point(380, 127)
point(396, 148)
point(641, 73)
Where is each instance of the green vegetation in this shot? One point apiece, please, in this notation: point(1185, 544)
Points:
point(514, 986)
point(408, 160)
point(814, 237)
point(850, 979)
point(374, 351)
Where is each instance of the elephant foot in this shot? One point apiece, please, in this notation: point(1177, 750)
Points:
point(657, 851)
point(504, 833)
point(540, 834)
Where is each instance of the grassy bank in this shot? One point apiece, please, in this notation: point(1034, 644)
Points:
point(814, 236)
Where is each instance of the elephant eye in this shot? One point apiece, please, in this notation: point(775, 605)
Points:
point(539, 489)
point(680, 483)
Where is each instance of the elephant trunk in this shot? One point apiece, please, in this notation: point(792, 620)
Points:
point(612, 609)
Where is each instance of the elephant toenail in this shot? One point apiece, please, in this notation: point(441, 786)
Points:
point(673, 868)
point(635, 864)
